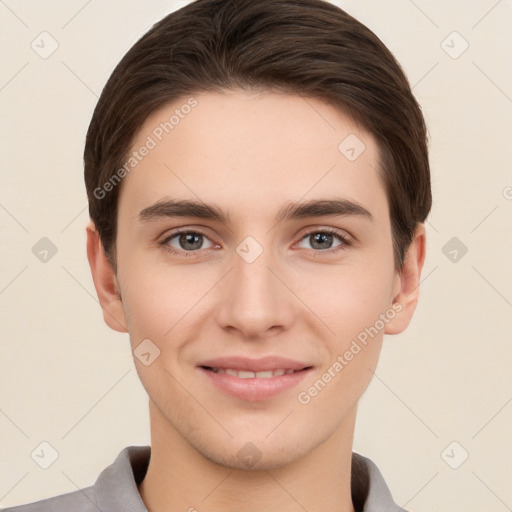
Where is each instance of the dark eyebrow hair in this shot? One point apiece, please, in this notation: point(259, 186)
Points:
point(313, 208)
point(183, 208)
point(322, 207)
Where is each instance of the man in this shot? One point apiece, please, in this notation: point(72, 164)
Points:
point(258, 182)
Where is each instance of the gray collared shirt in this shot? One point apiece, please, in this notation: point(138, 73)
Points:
point(115, 489)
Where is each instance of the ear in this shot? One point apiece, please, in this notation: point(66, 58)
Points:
point(105, 281)
point(408, 283)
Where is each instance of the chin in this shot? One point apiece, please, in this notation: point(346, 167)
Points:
point(255, 453)
point(250, 458)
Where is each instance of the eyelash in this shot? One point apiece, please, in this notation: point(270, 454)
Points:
point(345, 241)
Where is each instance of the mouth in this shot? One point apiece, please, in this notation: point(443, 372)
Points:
point(247, 374)
point(253, 379)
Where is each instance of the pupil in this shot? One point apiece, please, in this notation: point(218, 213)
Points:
point(190, 238)
point(320, 238)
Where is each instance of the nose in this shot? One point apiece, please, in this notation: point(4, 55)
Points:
point(255, 299)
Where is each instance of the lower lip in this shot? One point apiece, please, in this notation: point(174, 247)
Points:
point(254, 389)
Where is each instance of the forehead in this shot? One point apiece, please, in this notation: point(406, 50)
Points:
point(252, 149)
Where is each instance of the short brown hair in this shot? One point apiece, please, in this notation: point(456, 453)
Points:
point(306, 47)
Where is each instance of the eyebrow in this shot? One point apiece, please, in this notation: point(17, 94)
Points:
point(315, 208)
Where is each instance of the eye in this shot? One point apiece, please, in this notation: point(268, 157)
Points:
point(186, 241)
point(323, 239)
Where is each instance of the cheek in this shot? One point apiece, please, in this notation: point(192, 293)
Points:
point(353, 312)
point(358, 319)
point(161, 300)
point(347, 298)
point(152, 310)
point(149, 311)
point(343, 382)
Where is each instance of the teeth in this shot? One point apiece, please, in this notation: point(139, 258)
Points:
point(264, 375)
point(245, 374)
point(242, 374)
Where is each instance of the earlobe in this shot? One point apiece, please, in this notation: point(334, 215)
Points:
point(409, 282)
point(105, 281)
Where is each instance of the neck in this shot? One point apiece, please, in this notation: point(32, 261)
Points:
point(179, 477)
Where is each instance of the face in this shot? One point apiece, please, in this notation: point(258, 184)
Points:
point(284, 265)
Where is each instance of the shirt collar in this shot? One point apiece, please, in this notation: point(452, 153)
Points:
point(116, 486)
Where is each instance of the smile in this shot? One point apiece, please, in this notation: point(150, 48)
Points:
point(246, 374)
point(252, 386)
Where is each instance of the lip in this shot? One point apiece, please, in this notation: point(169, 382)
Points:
point(255, 389)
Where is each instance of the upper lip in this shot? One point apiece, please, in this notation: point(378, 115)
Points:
point(255, 365)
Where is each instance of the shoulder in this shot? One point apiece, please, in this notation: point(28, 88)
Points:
point(114, 489)
point(83, 500)
point(369, 489)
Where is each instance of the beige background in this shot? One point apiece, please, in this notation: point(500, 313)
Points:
point(66, 379)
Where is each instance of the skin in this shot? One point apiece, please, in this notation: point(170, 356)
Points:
point(250, 154)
